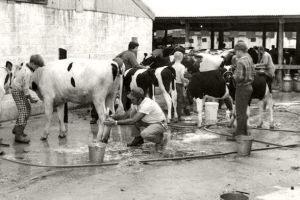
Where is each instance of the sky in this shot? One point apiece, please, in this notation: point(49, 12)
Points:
point(223, 7)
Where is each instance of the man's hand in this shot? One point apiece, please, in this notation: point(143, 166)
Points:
point(109, 122)
point(33, 100)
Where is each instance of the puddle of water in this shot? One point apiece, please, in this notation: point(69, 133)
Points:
point(283, 194)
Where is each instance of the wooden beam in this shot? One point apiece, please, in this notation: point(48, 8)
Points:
point(289, 67)
point(187, 33)
point(264, 37)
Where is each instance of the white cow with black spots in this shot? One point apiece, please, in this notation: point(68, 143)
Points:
point(79, 81)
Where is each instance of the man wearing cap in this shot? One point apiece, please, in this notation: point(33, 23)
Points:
point(22, 97)
point(243, 75)
point(266, 65)
point(146, 115)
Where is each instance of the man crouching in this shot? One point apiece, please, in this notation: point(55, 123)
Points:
point(146, 115)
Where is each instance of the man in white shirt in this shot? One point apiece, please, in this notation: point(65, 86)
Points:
point(181, 81)
point(146, 115)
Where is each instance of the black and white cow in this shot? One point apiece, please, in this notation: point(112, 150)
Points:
point(79, 81)
point(159, 74)
point(260, 91)
point(208, 82)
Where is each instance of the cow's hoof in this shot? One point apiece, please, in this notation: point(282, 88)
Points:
point(272, 126)
point(44, 138)
point(62, 136)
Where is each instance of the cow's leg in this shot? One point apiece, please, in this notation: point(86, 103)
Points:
point(199, 103)
point(271, 107)
point(100, 107)
point(168, 100)
point(62, 127)
point(261, 111)
point(48, 112)
point(174, 101)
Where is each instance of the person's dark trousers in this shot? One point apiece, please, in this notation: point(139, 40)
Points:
point(242, 97)
point(180, 99)
point(94, 113)
point(269, 81)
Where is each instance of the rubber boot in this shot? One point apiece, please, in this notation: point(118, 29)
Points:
point(137, 141)
point(19, 135)
point(15, 130)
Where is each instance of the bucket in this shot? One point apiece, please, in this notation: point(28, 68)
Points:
point(96, 152)
point(211, 112)
point(287, 85)
point(233, 196)
point(244, 143)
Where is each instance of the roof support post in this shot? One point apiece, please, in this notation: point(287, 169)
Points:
point(264, 37)
point(187, 33)
point(212, 39)
point(221, 40)
point(280, 50)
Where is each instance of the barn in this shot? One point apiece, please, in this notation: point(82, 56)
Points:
point(84, 28)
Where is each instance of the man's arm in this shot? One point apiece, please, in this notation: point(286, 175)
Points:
point(137, 117)
point(263, 62)
point(130, 121)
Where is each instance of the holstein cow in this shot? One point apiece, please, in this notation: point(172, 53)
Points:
point(78, 81)
point(209, 81)
point(159, 74)
point(260, 92)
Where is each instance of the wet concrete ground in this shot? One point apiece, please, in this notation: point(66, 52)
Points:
point(198, 179)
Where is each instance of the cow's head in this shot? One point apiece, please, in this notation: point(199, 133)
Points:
point(230, 82)
point(151, 59)
point(227, 56)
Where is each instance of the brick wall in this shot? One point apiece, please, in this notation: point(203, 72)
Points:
point(29, 29)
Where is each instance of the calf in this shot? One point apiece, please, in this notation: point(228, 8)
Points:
point(260, 92)
point(79, 81)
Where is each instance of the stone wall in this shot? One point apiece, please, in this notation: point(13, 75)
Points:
point(30, 28)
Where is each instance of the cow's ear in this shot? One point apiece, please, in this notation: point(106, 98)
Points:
point(8, 65)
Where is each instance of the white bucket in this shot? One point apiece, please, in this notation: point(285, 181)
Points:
point(211, 112)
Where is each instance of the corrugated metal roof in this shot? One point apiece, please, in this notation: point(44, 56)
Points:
point(221, 8)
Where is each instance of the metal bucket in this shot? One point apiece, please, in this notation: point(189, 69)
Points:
point(233, 196)
point(211, 112)
point(244, 144)
point(96, 152)
point(287, 85)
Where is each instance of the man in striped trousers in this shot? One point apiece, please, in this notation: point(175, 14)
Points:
point(22, 97)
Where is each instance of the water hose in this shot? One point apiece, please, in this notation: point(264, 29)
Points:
point(211, 156)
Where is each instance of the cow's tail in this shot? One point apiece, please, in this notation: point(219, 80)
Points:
point(173, 78)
